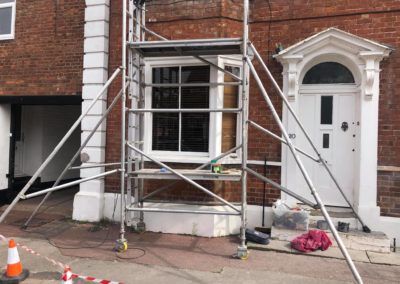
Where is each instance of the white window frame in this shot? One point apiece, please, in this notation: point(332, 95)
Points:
point(235, 61)
point(13, 13)
point(216, 101)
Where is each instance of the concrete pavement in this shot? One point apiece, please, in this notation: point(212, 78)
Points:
point(43, 272)
point(163, 258)
point(272, 267)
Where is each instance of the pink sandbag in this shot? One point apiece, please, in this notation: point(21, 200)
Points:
point(312, 241)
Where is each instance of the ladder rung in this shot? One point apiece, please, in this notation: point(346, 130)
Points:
point(176, 210)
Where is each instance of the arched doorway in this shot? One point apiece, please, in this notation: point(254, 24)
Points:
point(327, 108)
point(361, 57)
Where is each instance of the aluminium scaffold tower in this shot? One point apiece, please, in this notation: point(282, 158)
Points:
point(131, 168)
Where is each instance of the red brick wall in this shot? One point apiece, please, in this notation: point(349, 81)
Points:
point(46, 56)
point(293, 21)
point(389, 193)
point(290, 21)
point(113, 140)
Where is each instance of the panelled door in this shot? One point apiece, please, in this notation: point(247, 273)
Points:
point(330, 120)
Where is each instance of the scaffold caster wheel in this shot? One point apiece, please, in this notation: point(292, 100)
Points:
point(242, 253)
point(121, 245)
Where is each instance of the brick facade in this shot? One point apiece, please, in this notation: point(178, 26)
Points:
point(389, 193)
point(288, 22)
point(46, 56)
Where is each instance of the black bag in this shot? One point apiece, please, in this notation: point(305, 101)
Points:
point(257, 237)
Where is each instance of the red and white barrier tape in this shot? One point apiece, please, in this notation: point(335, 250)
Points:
point(88, 278)
point(52, 261)
point(62, 266)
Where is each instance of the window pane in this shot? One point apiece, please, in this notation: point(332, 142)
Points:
point(195, 131)
point(328, 73)
point(234, 70)
point(195, 74)
point(195, 97)
point(326, 109)
point(165, 98)
point(325, 141)
point(191, 128)
point(165, 75)
point(5, 20)
point(166, 131)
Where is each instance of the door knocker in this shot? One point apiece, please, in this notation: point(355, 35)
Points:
point(345, 126)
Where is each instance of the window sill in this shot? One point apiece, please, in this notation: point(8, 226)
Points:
point(6, 37)
point(189, 159)
point(180, 159)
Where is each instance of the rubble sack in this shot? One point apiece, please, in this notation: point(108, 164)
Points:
point(289, 216)
point(311, 241)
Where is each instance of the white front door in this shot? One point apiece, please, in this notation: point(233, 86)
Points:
point(330, 120)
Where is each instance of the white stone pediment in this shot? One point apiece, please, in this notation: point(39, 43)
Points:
point(361, 56)
point(334, 37)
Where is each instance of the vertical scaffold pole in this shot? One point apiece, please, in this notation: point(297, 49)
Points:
point(305, 175)
point(242, 249)
point(131, 74)
point(123, 120)
point(141, 226)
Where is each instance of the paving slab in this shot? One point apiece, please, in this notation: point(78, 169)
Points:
point(355, 240)
point(381, 258)
point(332, 252)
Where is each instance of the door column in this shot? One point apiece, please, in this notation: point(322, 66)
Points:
point(89, 202)
point(366, 185)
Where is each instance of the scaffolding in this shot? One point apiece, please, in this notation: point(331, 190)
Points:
point(131, 168)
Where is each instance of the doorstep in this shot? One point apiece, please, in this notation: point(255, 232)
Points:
point(332, 252)
point(354, 239)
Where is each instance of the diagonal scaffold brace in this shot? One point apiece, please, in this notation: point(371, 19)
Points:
point(303, 170)
point(62, 142)
point(320, 159)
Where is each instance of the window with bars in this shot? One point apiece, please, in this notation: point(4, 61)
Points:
point(181, 131)
point(7, 19)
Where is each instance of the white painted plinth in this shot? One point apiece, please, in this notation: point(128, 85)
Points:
point(93, 206)
point(191, 224)
point(88, 206)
